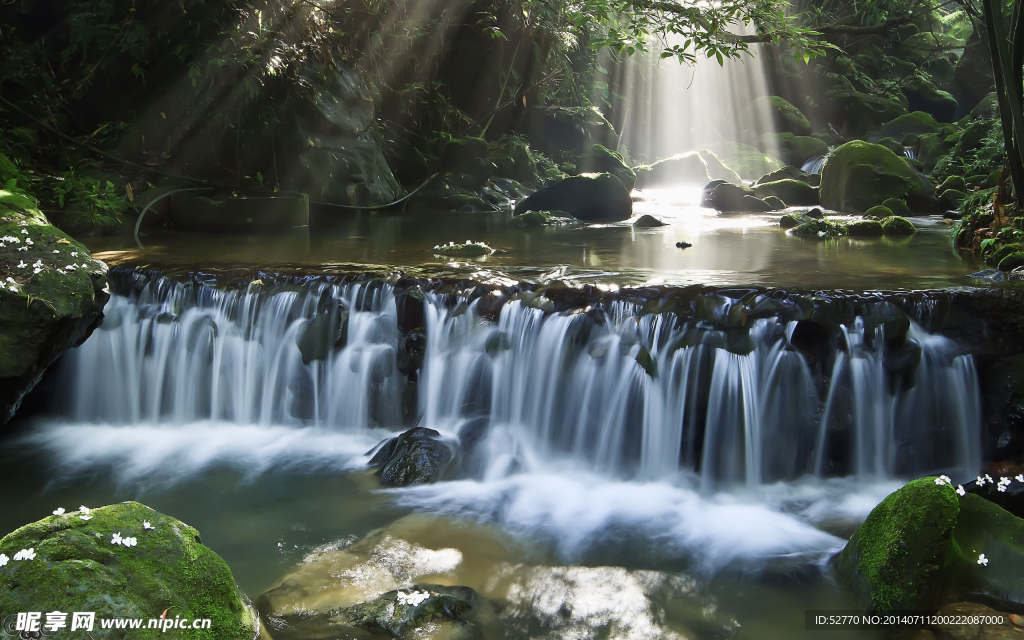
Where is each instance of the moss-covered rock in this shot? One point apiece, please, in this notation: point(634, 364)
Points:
point(790, 220)
point(819, 228)
point(717, 170)
point(1012, 261)
point(922, 46)
point(774, 202)
point(789, 173)
point(513, 160)
point(898, 226)
point(52, 294)
point(984, 527)
point(531, 219)
point(725, 196)
point(931, 148)
point(952, 198)
point(683, 168)
point(785, 115)
point(749, 162)
point(600, 198)
point(865, 229)
point(600, 159)
point(859, 175)
point(795, 150)
point(892, 561)
point(862, 112)
point(923, 95)
point(468, 249)
point(76, 568)
point(912, 124)
point(879, 211)
point(794, 193)
point(897, 207)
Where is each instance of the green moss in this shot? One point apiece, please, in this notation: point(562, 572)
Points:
point(78, 569)
point(914, 124)
point(600, 159)
point(531, 219)
point(952, 198)
point(865, 228)
point(897, 206)
point(792, 192)
point(859, 175)
point(791, 220)
point(879, 211)
point(1012, 261)
point(897, 226)
point(467, 250)
point(819, 229)
point(891, 561)
point(953, 182)
point(774, 202)
point(786, 116)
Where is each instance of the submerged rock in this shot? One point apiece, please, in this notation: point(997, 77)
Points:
point(77, 568)
point(402, 610)
point(531, 219)
point(52, 294)
point(649, 221)
point(417, 456)
point(859, 175)
point(600, 198)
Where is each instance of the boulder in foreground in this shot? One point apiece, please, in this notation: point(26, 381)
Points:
point(77, 568)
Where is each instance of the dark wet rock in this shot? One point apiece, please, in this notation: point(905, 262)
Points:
point(984, 527)
point(811, 339)
point(417, 456)
point(409, 303)
point(531, 219)
point(923, 95)
point(601, 198)
point(774, 202)
point(1005, 475)
point(398, 612)
point(865, 229)
point(683, 245)
point(754, 204)
point(790, 220)
point(794, 193)
point(717, 170)
point(898, 226)
point(684, 168)
point(952, 198)
point(725, 196)
point(785, 115)
point(794, 149)
point(600, 159)
point(169, 568)
point(323, 334)
point(1012, 261)
point(901, 365)
point(42, 314)
point(815, 213)
point(859, 175)
point(909, 125)
point(649, 221)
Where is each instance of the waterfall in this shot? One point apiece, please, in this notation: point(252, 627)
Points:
point(640, 395)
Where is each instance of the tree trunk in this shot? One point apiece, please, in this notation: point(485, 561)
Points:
point(1007, 63)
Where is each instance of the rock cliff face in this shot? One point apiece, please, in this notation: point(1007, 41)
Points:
point(51, 298)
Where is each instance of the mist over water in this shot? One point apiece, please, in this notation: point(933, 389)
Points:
point(591, 429)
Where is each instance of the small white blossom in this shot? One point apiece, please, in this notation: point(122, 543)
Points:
point(22, 248)
point(87, 518)
point(960, 491)
point(24, 231)
point(146, 525)
point(59, 511)
point(84, 509)
point(29, 241)
point(116, 538)
point(11, 280)
point(25, 554)
point(3, 560)
point(940, 481)
point(22, 265)
point(982, 560)
point(947, 479)
point(36, 270)
point(1020, 477)
point(980, 481)
point(74, 254)
point(130, 542)
point(13, 289)
point(413, 598)
point(55, 251)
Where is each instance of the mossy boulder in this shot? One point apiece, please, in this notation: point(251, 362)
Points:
point(865, 229)
point(790, 220)
point(892, 144)
point(953, 182)
point(749, 162)
point(819, 228)
point(52, 294)
point(600, 198)
point(600, 159)
point(861, 112)
point(683, 168)
point(891, 563)
point(914, 124)
point(789, 173)
point(952, 198)
point(879, 211)
point(76, 568)
point(794, 193)
point(725, 196)
point(774, 202)
point(898, 226)
point(931, 148)
point(859, 175)
point(468, 249)
point(795, 150)
point(717, 170)
point(922, 46)
point(923, 95)
point(1012, 261)
point(512, 159)
point(785, 116)
point(924, 545)
point(897, 207)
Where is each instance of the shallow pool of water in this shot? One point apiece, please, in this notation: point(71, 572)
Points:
point(728, 249)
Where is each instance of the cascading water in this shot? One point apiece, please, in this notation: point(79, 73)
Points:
point(644, 396)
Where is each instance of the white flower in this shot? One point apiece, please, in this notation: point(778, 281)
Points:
point(22, 248)
point(116, 539)
point(940, 481)
point(86, 518)
point(59, 511)
point(74, 254)
point(29, 241)
point(980, 481)
point(13, 289)
point(25, 231)
point(413, 598)
point(982, 560)
point(36, 270)
point(947, 479)
point(960, 491)
point(22, 265)
point(989, 479)
point(146, 525)
point(3, 560)
point(25, 554)
point(1001, 488)
point(55, 251)
point(131, 542)
point(11, 280)
point(84, 509)
point(1020, 477)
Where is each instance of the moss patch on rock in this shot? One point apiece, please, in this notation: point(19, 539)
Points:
point(859, 175)
point(822, 229)
point(794, 193)
point(865, 228)
point(898, 226)
point(76, 568)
